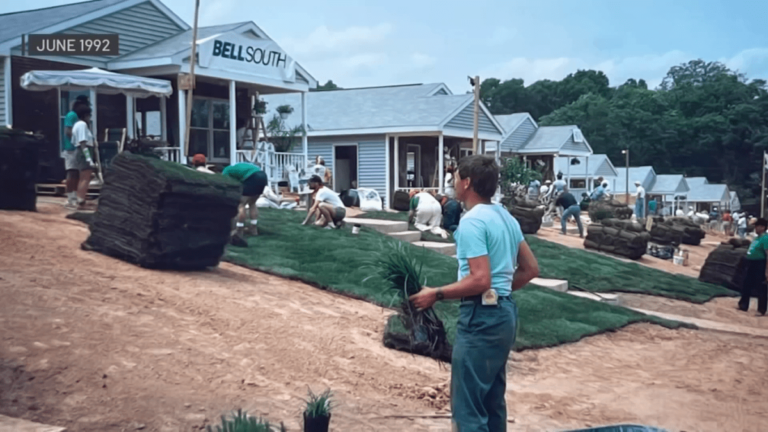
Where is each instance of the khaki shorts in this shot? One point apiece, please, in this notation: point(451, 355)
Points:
point(74, 160)
point(339, 214)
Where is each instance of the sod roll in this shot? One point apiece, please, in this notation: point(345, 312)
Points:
point(529, 215)
point(726, 266)
point(18, 170)
point(620, 237)
point(160, 214)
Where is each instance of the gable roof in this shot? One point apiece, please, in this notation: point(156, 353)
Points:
point(390, 109)
point(669, 184)
point(593, 166)
point(645, 174)
point(709, 193)
point(696, 181)
point(510, 122)
point(58, 18)
point(553, 139)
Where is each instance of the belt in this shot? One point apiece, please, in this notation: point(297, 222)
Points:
point(479, 298)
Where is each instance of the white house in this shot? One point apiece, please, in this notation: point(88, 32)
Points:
point(582, 172)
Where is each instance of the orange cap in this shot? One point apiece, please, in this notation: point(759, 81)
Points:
point(198, 159)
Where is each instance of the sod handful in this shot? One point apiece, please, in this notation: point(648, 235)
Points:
point(425, 332)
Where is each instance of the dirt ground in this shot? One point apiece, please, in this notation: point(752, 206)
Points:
point(95, 344)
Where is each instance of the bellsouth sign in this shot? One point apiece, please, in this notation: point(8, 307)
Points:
point(238, 53)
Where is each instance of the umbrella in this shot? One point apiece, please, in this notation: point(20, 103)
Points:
point(100, 80)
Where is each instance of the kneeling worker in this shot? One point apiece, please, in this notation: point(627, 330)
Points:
point(426, 214)
point(328, 209)
point(451, 212)
point(254, 180)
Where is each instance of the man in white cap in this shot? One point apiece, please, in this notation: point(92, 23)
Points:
point(639, 201)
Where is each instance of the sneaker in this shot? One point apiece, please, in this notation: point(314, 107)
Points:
point(758, 314)
point(70, 205)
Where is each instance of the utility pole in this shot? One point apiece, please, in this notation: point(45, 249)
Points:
point(475, 142)
point(192, 62)
point(762, 196)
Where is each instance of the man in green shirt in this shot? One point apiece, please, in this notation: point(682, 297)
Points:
point(756, 274)
point(254, 180)
point(68, 151)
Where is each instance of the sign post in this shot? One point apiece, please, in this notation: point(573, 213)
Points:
point(477, 115)
point(191, 83)
point(762, 195)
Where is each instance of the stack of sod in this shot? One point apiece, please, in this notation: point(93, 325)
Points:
point(160, 214)
point(726, 265)
point(608, 209)
point(18, 170)
point(424, 331)
point(625, 238)
point(676, 231)
point(529, 215)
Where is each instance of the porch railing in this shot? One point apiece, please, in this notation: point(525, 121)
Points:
point(278, 166)
point(170, 154)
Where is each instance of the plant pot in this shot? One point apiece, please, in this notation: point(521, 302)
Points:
point(316, 424)
point(284, 116)
point(356, 229)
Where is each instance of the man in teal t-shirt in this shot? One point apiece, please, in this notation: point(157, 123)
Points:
point(494, 260)
point(756, 274)
point(68, 151)
point(254, 180)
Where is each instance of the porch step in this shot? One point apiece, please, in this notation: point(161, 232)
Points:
point(406, 236)
point(443, 248)
point(553, 284)
point(18, 425)
point(382, 226)
point(602, 297)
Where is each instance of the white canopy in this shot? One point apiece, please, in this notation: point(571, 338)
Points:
point(100, 80)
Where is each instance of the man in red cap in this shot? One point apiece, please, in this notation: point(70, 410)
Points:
point(198, 161)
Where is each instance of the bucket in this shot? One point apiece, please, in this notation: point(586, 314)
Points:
point(356, 229)
point(316, 424)
point(678, 260)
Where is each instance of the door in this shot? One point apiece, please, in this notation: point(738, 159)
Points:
point(413, 166)
point(344, 167)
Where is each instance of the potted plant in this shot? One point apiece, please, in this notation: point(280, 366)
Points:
point(317, 415)
point(284, 111)
point(260, 107)
point(242, 422)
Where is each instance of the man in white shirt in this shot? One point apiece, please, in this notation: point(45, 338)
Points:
point(639, 200)
point(426, 213)
point(328, 209)
point(81, 159)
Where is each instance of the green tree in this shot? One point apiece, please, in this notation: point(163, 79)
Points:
point(329, 85)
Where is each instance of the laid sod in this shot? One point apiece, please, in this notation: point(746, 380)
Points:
point(598, 273)
point(341, 262)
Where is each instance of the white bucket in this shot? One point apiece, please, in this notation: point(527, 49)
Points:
point(356, 229)
point(678, 260)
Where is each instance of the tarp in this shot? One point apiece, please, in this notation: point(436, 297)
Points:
point(102, 81)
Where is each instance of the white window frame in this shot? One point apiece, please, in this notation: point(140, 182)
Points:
point(210, 129)
point(578, 136)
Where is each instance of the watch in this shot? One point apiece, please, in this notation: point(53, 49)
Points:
point(439, 294)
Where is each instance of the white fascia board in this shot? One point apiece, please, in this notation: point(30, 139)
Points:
point(468, 134)
point(143, 63)
point(245, 78)
point(392, 131)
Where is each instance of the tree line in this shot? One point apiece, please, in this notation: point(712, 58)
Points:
point(704, 119)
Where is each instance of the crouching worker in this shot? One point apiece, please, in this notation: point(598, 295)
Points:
point(328, 210)
point(494, 260)
point(254, 180)
point(426, 214)
point(451, 213)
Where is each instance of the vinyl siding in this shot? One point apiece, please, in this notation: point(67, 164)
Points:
point(371, 169)
point(604, 170)
point(323, 149)
point(3, 119)
point(574, 146)
point(519, 136)
point(465, 120)
point(138, 26)
point(441, 92)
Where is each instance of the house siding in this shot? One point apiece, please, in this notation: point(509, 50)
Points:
point(372, 172)
point(466, 120)
point(441, 92)
point(138, 26)
point(519, 136)
point(571, 145)
point(3, 118)
point(604, 170)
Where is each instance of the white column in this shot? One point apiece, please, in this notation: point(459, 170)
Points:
point(304, 138)
point(163, 119)
point(387, 196)
point(586, 175)
point(182, 97)
point(568, 171)
point(397, 162)
point(498, 152)
point(8, 90)
point(232, 125)
point(94, 109)
point(129, 116)
point(441, 161)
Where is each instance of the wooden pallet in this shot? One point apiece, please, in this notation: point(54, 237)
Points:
point(52, 189)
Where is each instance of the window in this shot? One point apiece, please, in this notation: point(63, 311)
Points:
point(466, 152)
point(578, 184)
point(209, 132)
point(578, 136)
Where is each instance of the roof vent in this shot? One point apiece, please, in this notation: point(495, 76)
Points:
point(578, 136)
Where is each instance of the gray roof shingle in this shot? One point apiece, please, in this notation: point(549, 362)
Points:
point(709, 193)
point(13, 25)
point(370, 108)
point(510, 121)
point(548, 139)
point(644, 174)
point(595, 162)
point(669, 184)
point(696, 181)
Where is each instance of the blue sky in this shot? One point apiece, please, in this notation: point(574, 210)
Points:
point(375, 42)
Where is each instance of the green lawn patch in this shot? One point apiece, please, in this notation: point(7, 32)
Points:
point(594, 272)
point(339, 261)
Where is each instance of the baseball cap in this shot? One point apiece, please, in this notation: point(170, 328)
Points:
point(198, 159)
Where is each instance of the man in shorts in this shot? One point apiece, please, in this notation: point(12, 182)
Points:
point(254, 180)
point(68, 149)
point(328, 209)
point(80, 159)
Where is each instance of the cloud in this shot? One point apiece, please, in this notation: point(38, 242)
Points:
point(651, 68)
point(324, 41)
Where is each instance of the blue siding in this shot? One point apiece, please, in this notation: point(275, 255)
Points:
point(323, 149)
point(372, 172)
point(441, 92)
point(519, 136)
point(3, 120)
point(466, 120)
point(604, 170)
point(138, 26)
point(572, 145)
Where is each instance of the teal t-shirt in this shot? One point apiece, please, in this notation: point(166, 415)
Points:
point(69, 121)
point(757, 248)
point(240, 171)
point(414, 202)
point(489, 229)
